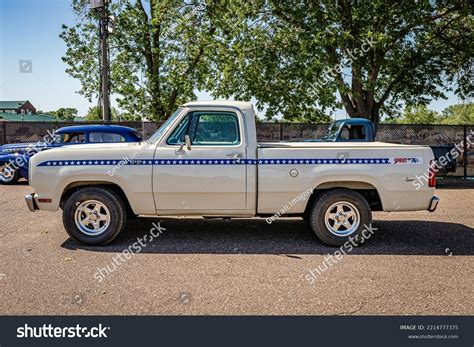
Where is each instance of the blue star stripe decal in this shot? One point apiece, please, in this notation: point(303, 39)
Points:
point(166, 162)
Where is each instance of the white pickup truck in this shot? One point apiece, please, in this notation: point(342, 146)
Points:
point(205, 161)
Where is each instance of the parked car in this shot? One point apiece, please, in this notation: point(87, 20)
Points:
point(346, 130)
point(205, 161)
point(14, 157)
point(451, 162)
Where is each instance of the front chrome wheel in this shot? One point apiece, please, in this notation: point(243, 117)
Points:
point(7, 174)
point(342, 218)
point(92, 217)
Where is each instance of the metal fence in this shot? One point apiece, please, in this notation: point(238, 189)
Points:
point(416, 134)
point(410, 134)
point(12, 132)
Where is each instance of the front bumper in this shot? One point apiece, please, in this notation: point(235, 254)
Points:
point(31, 202)
point(433, 204)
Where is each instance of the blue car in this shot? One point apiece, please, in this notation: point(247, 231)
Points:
point(14, 157)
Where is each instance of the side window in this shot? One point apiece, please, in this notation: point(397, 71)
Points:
point(213, 129)
point(74, 138)
point(207, 129)
point(358, 132)
point(99, 137)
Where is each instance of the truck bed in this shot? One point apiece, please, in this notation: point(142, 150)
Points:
point(287, 169)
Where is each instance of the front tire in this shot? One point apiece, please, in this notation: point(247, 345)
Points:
point(339, 216)
point(8, 175)
point(94, 215)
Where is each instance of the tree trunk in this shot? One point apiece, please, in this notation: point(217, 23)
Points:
point(362, 106)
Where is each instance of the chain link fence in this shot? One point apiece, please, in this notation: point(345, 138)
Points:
point(13, 132)
point(468, 158)
point(413, 134)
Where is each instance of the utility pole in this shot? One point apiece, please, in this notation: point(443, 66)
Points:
point(102, 8)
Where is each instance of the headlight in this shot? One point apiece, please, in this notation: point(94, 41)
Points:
point(9, 150)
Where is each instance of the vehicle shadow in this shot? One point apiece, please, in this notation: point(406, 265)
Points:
point(285, 236)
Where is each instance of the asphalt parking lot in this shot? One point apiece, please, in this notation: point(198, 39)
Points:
point(416, 263)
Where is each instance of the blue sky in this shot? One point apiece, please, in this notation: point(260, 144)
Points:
point(29, 30)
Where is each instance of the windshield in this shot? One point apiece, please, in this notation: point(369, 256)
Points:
point(162, 129)
point(331, 133)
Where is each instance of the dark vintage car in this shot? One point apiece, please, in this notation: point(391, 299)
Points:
point(14, 157)
point(346, 130)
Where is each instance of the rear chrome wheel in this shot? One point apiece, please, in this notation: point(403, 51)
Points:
point(340, 215)
point(342, 218)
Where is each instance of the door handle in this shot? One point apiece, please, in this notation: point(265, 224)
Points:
point(235, 156)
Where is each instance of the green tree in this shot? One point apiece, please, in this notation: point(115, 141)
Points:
point(305, 57)
point(452, 115)
point(419, 114)
point(458, 114)
point(65, 113)
point(94, 114)
point(160, 52)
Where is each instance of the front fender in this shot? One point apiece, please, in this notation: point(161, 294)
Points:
point(52, 186)
point(50, 183)
point(6, 158)
point(19, 161)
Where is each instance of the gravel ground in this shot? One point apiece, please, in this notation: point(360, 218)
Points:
point(416, 263)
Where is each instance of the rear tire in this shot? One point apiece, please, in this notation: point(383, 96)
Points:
point(340, 215)
point(94, 215)
point(8, 175)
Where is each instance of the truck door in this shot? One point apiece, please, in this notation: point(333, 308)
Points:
point(211, 175)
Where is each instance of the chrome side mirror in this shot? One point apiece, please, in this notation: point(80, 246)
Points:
point(187, 141)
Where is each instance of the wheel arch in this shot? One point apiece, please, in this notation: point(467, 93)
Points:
point(366, 189)
point(73, 187)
